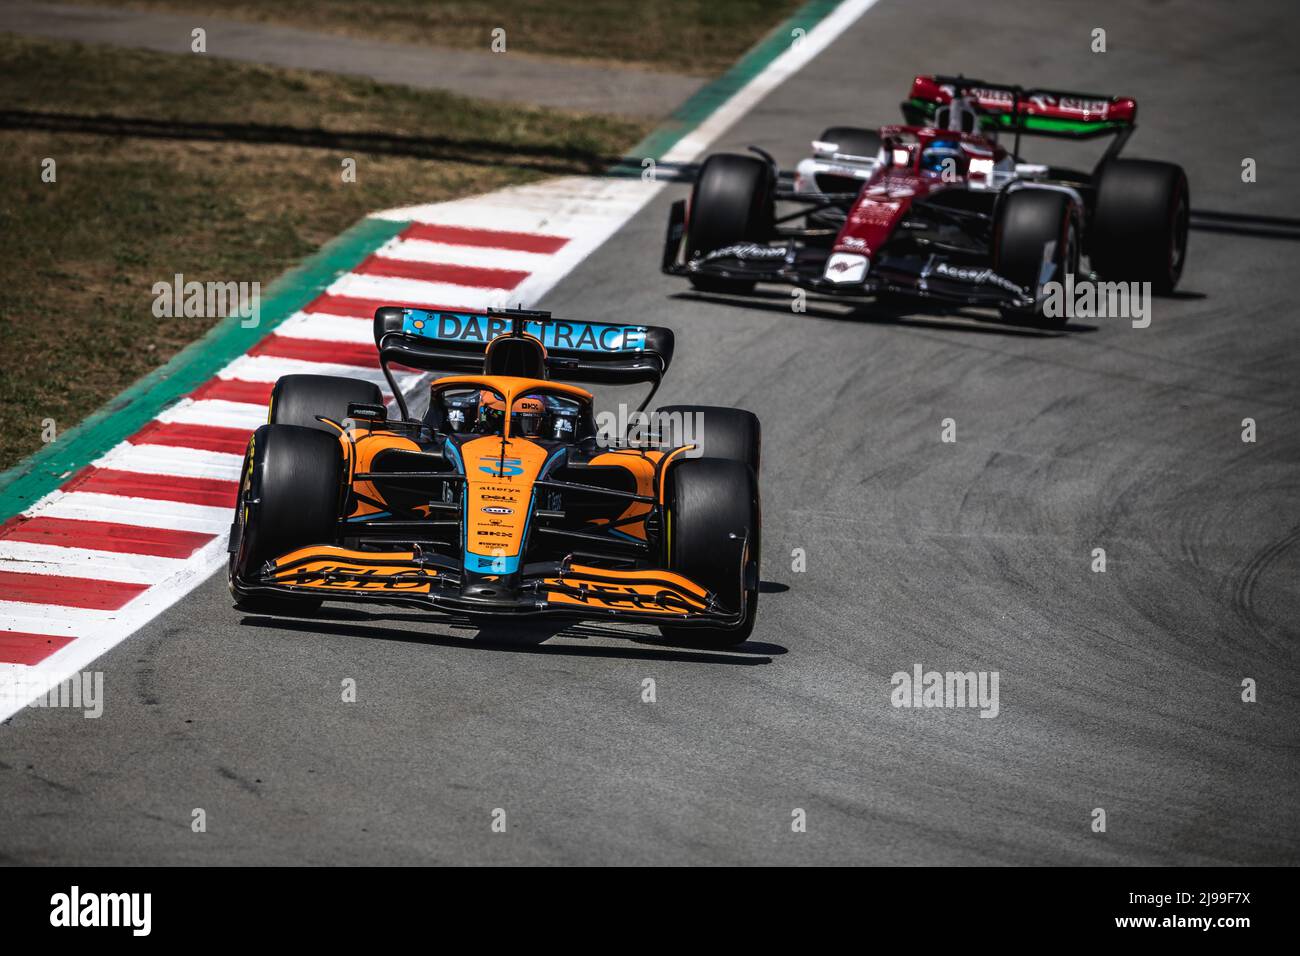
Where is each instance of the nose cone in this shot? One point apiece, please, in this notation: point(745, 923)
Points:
point(499, 591)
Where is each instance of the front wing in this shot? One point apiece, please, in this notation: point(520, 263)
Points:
point(558, 588)
point(931, 276)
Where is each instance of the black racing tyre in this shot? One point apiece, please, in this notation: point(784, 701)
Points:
point(712, 531)
point(298, 399)
point(854, 141)
point(730, 433)
point(288, 498)
point(731, 202)
point(1030, 223)
point(1139, 226)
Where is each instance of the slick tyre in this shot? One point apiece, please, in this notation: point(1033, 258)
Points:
point(852, 141)
point(288, 498)
point(298, 399)
point(1036, 228)
point(730, 433)
point(731, 202)
point(1139, 227)
point(711, 536)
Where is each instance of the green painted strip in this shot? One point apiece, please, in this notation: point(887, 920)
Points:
point(1030, 124)
point(712, 95)
point(122, 417)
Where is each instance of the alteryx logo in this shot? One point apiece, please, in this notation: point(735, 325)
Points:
point(501, 467)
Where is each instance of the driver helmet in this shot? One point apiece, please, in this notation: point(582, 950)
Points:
point(526, 417)
point(935, 157)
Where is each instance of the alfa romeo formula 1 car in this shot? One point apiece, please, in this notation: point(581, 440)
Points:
point(940, 207)
point(503, 498)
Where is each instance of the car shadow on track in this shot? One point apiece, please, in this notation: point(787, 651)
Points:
point(909, 315)
point(520, 637)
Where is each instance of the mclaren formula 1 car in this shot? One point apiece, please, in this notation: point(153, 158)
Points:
point(942, 207)
point(504, 498)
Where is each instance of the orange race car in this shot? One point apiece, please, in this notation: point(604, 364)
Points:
point(503, 497)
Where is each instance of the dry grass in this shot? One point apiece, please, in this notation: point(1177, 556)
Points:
point(82, 254)
point(698, 37)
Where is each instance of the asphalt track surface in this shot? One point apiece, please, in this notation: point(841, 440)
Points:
point(1118, 690)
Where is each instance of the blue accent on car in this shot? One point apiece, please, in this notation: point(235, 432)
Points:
point(553, 334)
point(509, 564)
point(451, 450)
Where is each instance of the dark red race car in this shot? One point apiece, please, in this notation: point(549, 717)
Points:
point(940, 207)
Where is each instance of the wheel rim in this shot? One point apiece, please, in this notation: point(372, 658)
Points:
point(1178, 237)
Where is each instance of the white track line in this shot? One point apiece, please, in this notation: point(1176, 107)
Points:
point(417, 290)
point(140, 512)
point(421, 250)
point(27, 558)
point(52, 619)
point(329, 328)
point(268, 368)
point(215, 412)
point(169, 460)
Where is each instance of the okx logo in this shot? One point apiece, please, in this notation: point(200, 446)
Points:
point(501, 467)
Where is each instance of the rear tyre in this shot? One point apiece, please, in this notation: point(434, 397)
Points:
point(730, 433)
point(288, 498)
point(712, 535)
point(853, 141)
point(1139, 228)
point(731, 202)
point(1035, 228)
point(298, 399)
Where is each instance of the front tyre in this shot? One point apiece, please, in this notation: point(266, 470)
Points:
point(731, 203)
point(288, 498)
point(720, 432)
point(299, 399)
point(1035, 241)
point(712, 530)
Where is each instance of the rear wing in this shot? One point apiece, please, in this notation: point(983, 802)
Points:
point(1019, 110)
point(457, 341)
